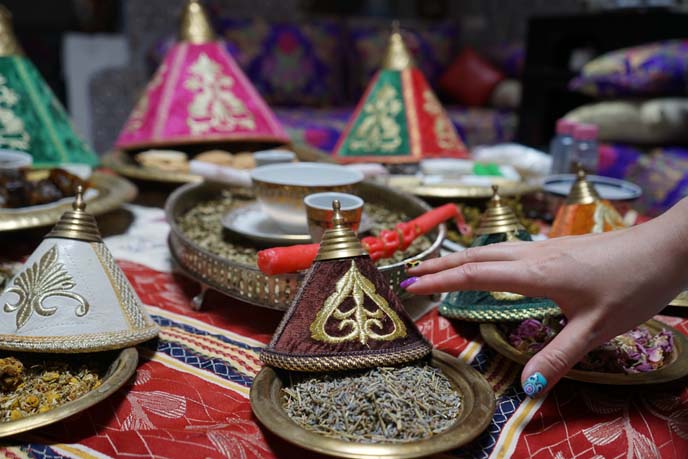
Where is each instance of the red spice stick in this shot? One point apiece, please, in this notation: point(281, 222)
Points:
point(279, 260)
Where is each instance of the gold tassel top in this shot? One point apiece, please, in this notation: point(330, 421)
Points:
point(77, 223)
point(498, 218)
point(340, 241)
point(195, 26)
point(582, 191)
point(9, 46)
point(397, 56)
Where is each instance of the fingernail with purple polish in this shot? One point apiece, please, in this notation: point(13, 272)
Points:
point(407, 282)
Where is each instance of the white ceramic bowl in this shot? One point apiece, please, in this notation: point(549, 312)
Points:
point(280, 189)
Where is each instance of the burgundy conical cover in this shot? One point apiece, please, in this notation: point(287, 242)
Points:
point(345, 317)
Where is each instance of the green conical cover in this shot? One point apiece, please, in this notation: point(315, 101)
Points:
point(477, 306)
point(33, 120)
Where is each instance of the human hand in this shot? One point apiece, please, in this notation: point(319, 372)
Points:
point(605, 284)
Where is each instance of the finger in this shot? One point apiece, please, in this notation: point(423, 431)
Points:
point(505, 251)
point(508, 276)
point(552, 363)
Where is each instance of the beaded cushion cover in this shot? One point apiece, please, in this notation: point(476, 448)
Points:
point(651, 69)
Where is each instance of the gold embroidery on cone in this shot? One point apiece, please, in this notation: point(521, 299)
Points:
point(141, 107)
point(446, 138)
point(214, 105)
point(360, 319)
point(379, 130)
point(12, 131)
point(40, 281)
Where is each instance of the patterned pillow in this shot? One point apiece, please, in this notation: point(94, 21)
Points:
point(653, 69)
point(290, 63)
point(432, 45)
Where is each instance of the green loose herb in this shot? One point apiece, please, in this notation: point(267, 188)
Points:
point(381, 405)
point(203, 225)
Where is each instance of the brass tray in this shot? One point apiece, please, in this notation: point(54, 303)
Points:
point(119, 372)
point(246, 282)
point(676, 368)
point(123, 163)
point(412, 184)
point(475, 414)
point(113, 191)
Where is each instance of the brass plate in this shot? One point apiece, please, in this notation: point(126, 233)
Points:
point(675, 369)
point(124, 164)
point(113, 191)
point(680, 300)
point(117, 375)
point(413, 185)
point(477, 408)
point(246, 282)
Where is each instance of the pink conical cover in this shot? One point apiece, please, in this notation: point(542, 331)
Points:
point(199, 95)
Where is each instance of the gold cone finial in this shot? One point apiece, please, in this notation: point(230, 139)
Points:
point(397, 56)
point(77, 223)
point(340, 241)
point(195, 26)
point(498, 218)
point(9, 46)
point(582, 191)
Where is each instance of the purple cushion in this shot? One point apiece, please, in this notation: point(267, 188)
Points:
point(432, 45)
point(289, 63)
point(659, 68)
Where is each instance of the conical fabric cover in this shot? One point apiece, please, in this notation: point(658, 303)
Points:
point(399, 119)
point(499, 224)
point(325, 329)
point(345, 315)
point(32, 120)
point(72, 297)
point(199, 95)
point(585, 212)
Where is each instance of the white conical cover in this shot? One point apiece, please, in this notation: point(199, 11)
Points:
point(72, 297)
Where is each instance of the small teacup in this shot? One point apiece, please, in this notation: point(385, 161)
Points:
point(319, 212)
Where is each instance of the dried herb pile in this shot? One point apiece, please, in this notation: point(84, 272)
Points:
point(636, 351)
point(381, 405)
point(203, 225)
point(33, 385)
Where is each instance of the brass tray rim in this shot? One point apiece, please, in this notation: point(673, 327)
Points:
point(119, 372)
point(468, 191)
point(675, 369)
point(680, 300)
point(477, 410)
point(114, 160)
point(113, 191)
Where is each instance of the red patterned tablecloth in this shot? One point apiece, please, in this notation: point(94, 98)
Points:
point(189, 398)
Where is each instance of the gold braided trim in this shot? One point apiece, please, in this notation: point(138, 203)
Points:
point(92, 342)
point(129, 301)
point(343, 361)
point(494, 315)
